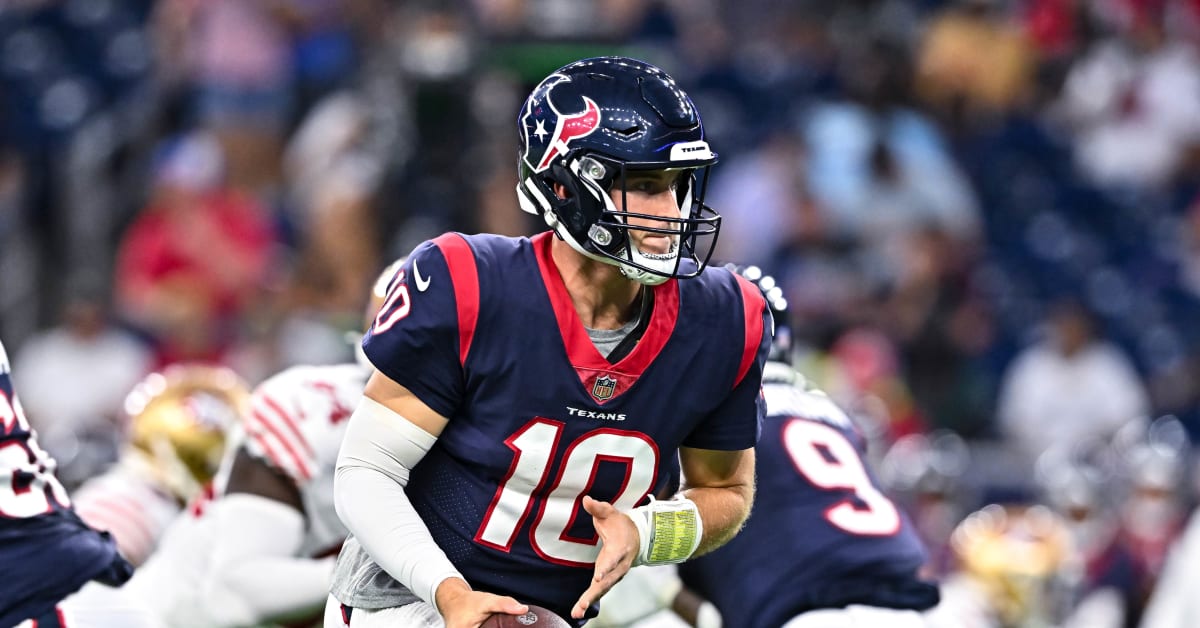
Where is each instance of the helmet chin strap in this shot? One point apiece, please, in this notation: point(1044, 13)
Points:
point(665, 262)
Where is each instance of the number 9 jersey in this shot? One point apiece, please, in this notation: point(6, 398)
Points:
point(822, 535)
point(46, 551)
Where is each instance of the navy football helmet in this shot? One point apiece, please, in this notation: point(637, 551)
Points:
point(586, 127)
point(781, 340)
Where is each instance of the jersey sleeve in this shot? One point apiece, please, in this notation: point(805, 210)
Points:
point(135, 515)
point(737, 421)
point(275, 426)
point(421, 336)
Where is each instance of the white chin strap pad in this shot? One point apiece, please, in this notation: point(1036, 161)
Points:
point(664, 264)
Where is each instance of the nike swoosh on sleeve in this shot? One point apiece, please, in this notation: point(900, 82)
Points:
point(422, 282)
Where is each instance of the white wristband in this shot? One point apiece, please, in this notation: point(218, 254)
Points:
point(669, 531)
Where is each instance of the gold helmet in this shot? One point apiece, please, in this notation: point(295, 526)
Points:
point(178, 421)
point(1021, 556)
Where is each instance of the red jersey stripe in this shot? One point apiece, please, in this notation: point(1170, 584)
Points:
point(465, 277)
point(753, 305)
point(272, 453)
point(290, 423)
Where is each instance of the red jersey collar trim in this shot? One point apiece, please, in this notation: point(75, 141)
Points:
point(595, 372)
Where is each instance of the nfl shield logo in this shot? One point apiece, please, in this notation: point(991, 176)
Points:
point(604, 387)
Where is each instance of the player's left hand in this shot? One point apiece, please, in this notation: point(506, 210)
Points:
point(619, 545)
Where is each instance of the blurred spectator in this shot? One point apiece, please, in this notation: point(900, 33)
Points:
point(974, 59)
point(822, 277)
point(195, 258)
point(763, 200)
point(332, 180)
point(879, 169)
point(1134, 102)
point(12, 191)
point(863, 373)
point(1069, 385)
point(333, 177)
point(559, 19)
point(899, 205)
point(18, 256)
point(233, 62)
point(238, 57)
point(93, 359)
point(941, 328)
point(1053, 26)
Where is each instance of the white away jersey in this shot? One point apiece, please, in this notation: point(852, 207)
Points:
point(125, 501)
point(296, 424)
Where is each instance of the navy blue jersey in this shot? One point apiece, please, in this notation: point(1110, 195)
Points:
point(46, 551)
point(821, 534)
point(483, 330)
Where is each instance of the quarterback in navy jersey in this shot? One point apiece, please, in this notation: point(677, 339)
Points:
point(824, 547)
point(532, 394)
point(46, 551)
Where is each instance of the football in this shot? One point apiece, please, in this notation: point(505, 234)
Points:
point(537, 617)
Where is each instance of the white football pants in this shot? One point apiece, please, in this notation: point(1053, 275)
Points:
point(854, 616)
point(415, 615)
point(100, 606)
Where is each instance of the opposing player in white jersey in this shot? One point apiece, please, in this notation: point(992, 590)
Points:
point(178, 423)
point(46, 551)
point(260, 548)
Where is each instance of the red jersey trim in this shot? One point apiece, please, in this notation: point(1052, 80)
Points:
point(289, 423)
point(753, 305)
point(589, 365)
point(465, 277)
point(258, 419)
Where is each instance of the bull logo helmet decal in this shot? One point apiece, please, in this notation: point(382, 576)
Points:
point(567, 127)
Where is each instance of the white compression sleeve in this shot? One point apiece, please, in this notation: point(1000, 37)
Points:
point(255, 574)
point(378, 451)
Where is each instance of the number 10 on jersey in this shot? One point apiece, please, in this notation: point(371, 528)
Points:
point(558, 503)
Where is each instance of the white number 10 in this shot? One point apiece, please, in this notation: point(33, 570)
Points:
point(534, 447)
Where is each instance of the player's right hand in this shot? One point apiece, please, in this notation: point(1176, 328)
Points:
point(462, 607)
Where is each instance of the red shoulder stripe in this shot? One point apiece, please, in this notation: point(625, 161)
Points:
point(465, 276)
point(753, 306)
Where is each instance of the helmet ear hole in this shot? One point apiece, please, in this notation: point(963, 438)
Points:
point(560, 191)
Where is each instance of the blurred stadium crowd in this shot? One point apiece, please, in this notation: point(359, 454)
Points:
point(985, 214)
